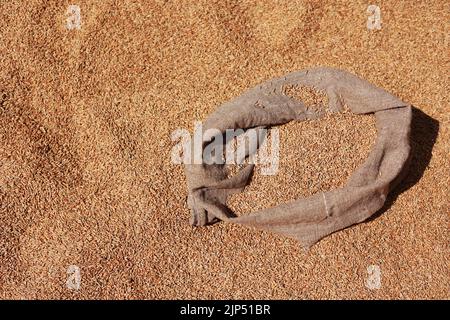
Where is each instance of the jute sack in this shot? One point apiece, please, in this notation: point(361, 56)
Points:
point(312, 218)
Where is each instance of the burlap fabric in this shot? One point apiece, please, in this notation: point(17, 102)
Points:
point(312, 218)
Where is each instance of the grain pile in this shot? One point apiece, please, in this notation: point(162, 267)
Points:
point(327, 153)
point(86, 118)
point(311, 97)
